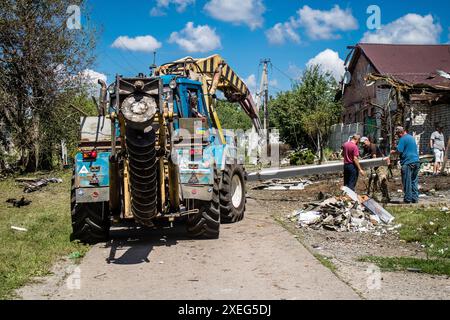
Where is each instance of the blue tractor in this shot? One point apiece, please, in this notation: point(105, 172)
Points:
point(157, 151)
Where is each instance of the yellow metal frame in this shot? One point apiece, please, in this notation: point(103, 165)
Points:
point(215, 74)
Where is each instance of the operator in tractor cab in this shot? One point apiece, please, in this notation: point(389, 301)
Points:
point(372, 151)
point(193, 105)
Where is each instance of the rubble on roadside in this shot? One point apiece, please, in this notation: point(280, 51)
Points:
point(428, 169)
point(341, 214)
point(34, 184)
point(283, 184)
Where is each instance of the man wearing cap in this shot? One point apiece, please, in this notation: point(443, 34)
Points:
point(352, 168)
point(371, 151)
point(409, 160)
point(437, 144)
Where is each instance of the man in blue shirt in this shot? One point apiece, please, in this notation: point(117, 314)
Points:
point(409, 160)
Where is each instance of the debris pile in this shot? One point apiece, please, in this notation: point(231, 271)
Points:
point(34, 184)
point(281, 185)
point(428, 169)
point(336, 214)
point(19, 203)
point(342, 214)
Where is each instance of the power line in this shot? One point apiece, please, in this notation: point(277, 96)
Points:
point(120, 65)
point(135, 55)
point(125, 59)
point(283, 73)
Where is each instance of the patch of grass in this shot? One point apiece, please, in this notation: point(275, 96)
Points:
point(430, 266)
point(24, 255)
point(325, 262)
point(430, 227)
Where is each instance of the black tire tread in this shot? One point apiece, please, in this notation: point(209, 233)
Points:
point(206, 223)
point(90, 221)
point(228, 213)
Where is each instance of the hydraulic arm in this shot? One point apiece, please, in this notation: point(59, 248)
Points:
point(215, 74)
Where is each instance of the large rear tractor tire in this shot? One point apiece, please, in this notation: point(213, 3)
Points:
point(232, 194)
point(206, 223)
point(143, 175)
point(90, 221)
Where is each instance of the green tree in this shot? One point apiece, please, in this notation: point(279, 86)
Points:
point(232, 116)
point(317, 93)
point(41, 61)
point(304, 115)
point(284, 114)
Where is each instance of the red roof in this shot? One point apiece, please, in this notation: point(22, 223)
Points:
point(412, 64)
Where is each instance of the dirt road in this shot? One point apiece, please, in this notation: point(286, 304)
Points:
point(254, 259)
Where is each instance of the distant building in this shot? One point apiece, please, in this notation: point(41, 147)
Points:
point(407, 77)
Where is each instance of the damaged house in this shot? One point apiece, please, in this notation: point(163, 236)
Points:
point(388, 85)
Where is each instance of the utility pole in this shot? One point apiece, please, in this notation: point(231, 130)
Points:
point(153, 66)
point(264, 92)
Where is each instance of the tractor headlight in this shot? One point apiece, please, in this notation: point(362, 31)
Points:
point(173, 84)
point(112, 89)
point(139, 108)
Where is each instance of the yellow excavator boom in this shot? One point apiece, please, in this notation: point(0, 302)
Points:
point(215, 74)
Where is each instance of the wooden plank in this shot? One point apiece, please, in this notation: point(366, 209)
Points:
point(426, 97)
point(444, 164)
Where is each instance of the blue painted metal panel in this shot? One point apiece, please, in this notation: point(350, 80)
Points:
point(198, 171)
point(88, 170)
point(181, 105)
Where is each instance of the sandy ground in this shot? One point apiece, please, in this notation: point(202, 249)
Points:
point(344, 249)
point(254, 259)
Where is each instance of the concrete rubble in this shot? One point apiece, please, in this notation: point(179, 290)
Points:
point(427, 169)
point(341, 214)
point(285, 184)
point(34, 184)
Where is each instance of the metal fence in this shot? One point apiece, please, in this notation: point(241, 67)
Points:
point(340, 133)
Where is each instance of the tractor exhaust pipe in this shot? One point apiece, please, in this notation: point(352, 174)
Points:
point(102, 99)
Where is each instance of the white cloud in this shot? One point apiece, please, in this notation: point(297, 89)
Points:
point(196, 39)
point(163, 5)
point(250, 81)
point(91, 76)
point(323, 24)
point(281, 32)
point(318, 24)
point(409, 29)
point(294, 71)
point(249, 12)
point(329, 61)
point(273, 83)
point(140, 43)
point(89, 79)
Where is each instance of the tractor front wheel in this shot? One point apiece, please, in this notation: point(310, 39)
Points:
point(206, 223)
point(90, 221)
point(232, 194)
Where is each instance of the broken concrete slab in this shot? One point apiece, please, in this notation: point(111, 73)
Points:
point(341, 214)
point(34, 184)
point(378, 210)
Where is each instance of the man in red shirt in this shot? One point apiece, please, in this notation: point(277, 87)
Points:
point(352, 168)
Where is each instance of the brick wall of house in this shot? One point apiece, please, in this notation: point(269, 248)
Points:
point(357, 95)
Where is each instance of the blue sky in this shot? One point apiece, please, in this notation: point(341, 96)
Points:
point(291, 33)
